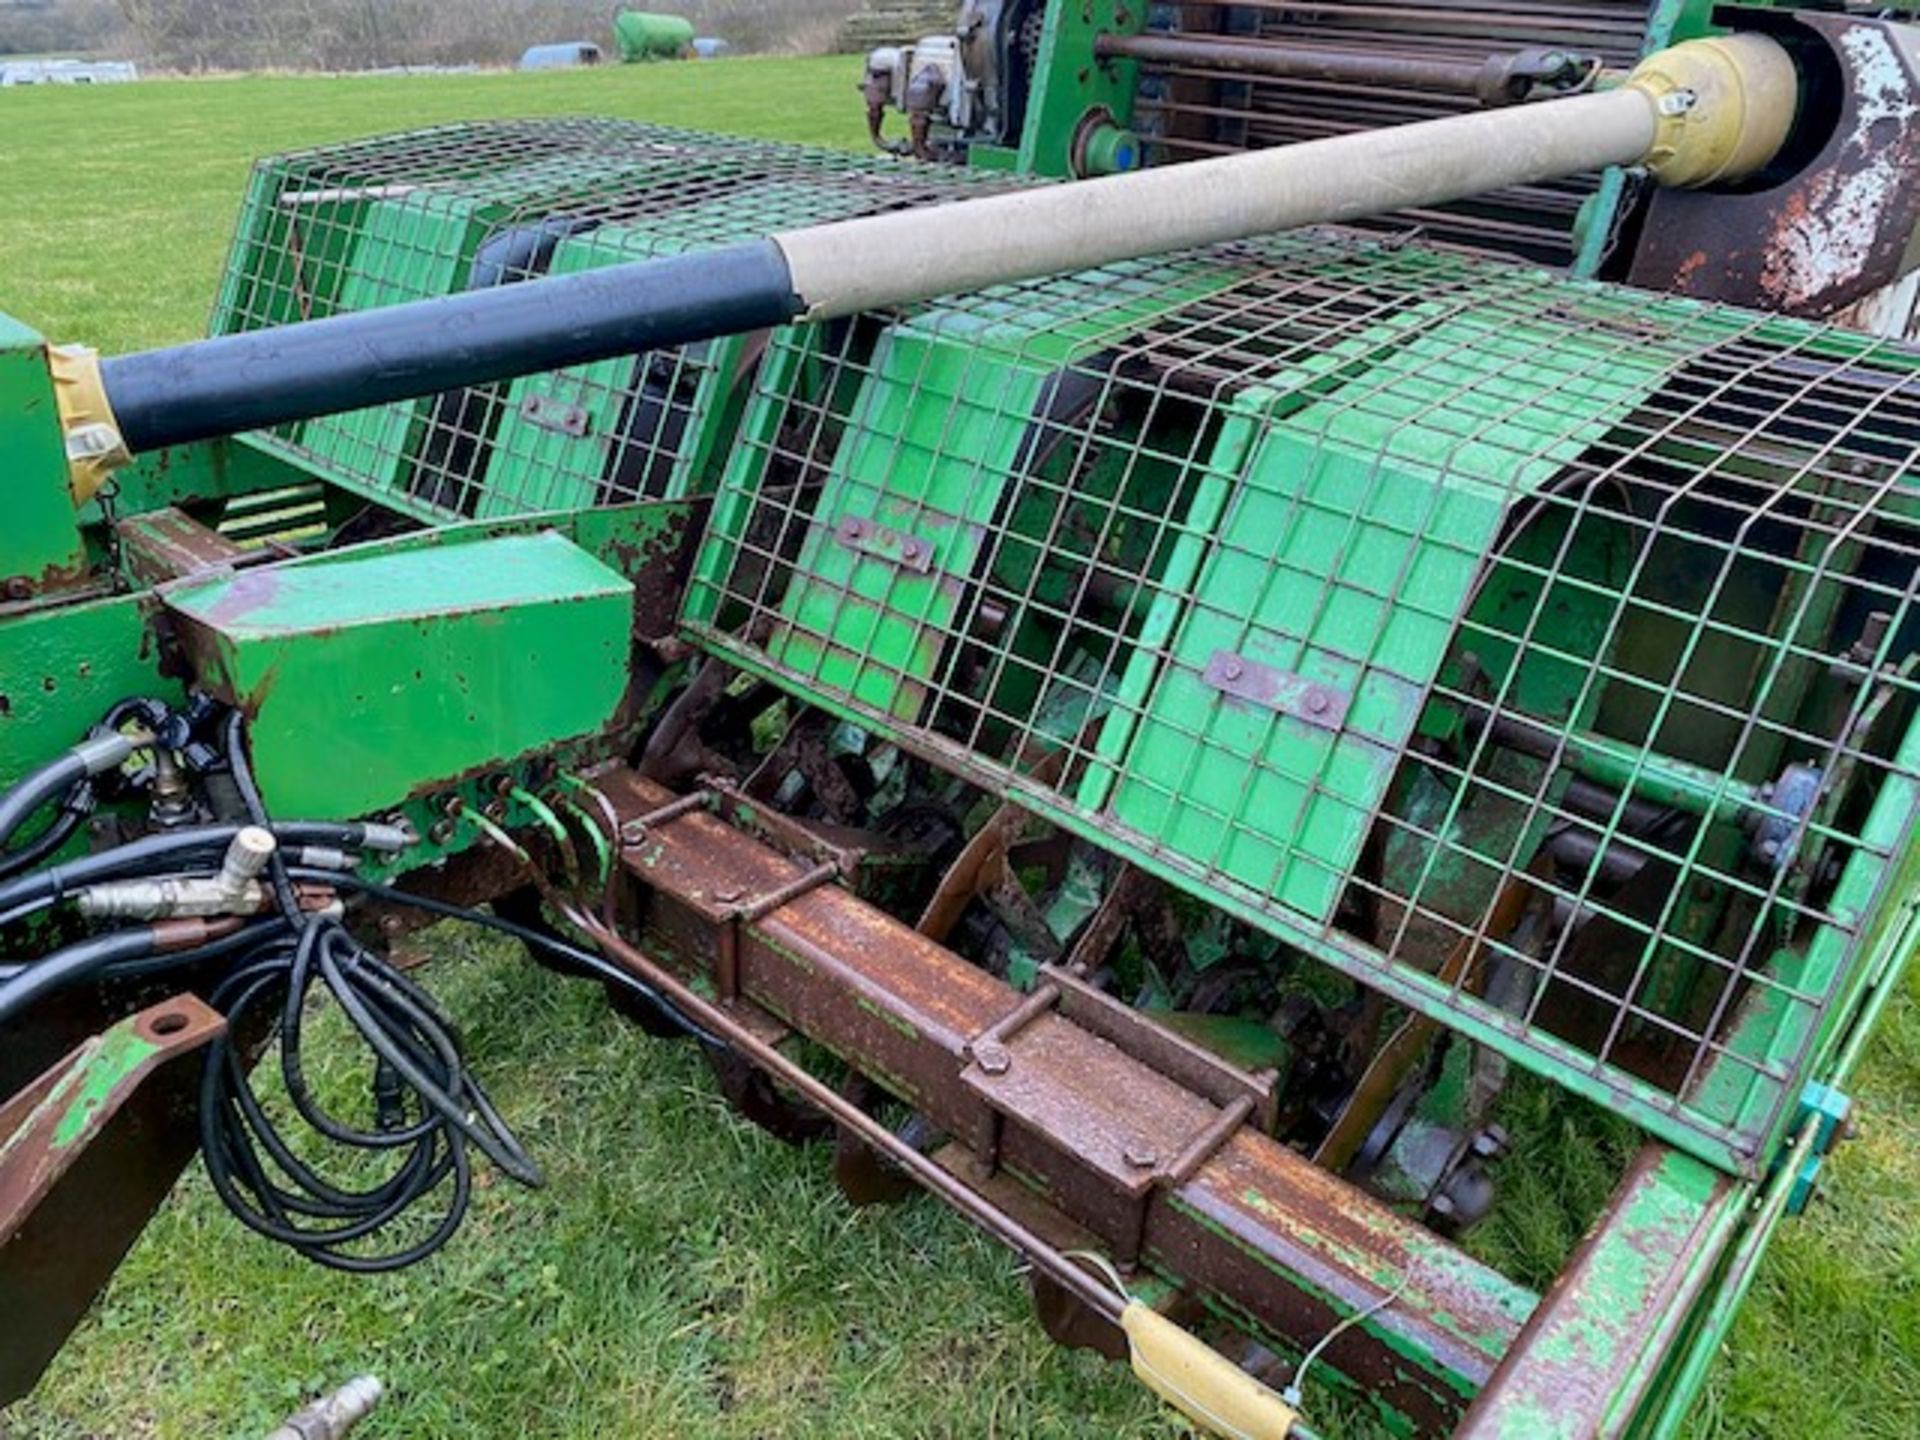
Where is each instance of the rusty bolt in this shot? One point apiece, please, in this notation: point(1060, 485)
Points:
point(19, 589)
point(992, 1057)
point(441, 833)
point(633, 832)
point(729, 895)
point(1142, 1157)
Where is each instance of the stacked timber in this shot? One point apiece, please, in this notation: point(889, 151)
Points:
point(897, 22)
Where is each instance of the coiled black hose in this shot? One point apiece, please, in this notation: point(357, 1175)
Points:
point(431, 1108)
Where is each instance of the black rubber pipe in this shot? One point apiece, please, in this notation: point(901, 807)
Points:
point(295, 372)
point(35, 790)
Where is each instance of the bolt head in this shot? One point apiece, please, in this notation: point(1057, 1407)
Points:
point(993, 1058)
point(1141, 1157)
point(1233, 670)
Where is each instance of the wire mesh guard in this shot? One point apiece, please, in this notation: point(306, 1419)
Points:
point(435, 212)
point(1537, 653)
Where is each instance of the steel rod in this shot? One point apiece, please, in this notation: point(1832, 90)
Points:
point(1086, 1287)
point(1300, 62)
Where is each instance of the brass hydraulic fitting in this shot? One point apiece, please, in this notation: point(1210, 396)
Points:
point(1723, 107)
point(95, 448)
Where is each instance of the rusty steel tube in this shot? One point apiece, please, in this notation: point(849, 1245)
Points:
point(1300, 62)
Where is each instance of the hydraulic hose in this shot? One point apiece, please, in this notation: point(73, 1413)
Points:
point(79, 961)
point(175, 851)
point(429, 1108)
point(67, 776)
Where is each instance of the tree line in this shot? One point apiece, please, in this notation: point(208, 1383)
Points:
point(203, 35)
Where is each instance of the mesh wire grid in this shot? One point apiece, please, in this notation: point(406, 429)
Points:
point(1537, 653)
point(429, 213)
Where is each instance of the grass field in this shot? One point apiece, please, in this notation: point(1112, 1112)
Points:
point(681, 1274)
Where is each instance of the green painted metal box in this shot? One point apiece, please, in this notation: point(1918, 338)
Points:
point(372, 676)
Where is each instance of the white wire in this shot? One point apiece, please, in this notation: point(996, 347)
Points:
point(1292, 1393)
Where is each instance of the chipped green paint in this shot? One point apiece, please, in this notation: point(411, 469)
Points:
point(1614, 1313)
point(891, 1018)
point(1439, 1264)
point(91, 1089)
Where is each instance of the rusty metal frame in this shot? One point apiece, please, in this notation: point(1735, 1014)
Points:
point(87, 1153)
point(1108, 1121)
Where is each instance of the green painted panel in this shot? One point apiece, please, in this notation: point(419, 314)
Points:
point(937, 445)
point(1337, 574)
point(372, 676)
point(39, 538)
point(62, 668)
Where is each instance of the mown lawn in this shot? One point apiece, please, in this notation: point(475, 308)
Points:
point(682, 1275)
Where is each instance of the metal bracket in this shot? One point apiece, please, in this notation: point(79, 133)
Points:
point(556, 415)
point(87, 1153)
point(1827, 1117)
point(909, 552)
point(1318, 705)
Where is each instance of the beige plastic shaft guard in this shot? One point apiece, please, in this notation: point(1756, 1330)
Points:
point(95, 448)
point(1723, 107)
point(1200, 1382)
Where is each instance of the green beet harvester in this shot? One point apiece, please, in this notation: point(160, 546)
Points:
point(1268, 584)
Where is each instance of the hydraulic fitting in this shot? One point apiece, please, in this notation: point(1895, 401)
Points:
point(236, 890)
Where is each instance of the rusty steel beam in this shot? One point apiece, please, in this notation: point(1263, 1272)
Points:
point(87, 1153)
point(169, 544)
point(1130, 1132)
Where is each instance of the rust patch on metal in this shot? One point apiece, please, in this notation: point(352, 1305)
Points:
point(1836, 230)
point(169, 544)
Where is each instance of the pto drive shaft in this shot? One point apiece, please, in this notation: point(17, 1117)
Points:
point(1701, 112)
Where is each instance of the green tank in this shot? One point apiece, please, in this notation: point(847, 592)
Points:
point(643, 36)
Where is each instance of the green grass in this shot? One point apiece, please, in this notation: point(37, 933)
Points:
point(682, 1275)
